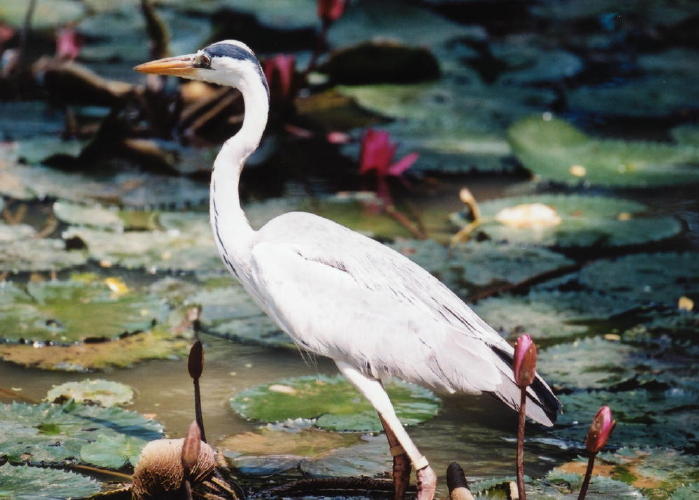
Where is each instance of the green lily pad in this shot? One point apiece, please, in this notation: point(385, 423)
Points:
point(467, 267)
point(596, 363)
point(366, 20)
point(656, 95)
point(657, 472)
point(28, 483)
point(675, 60)
point(64, 312)
point(48, 14)
point(89, 215)
point(19, 252)
point(687, 134)
point(672, 331)
point(660, 278)
point(333, 402)
point(120, 353)
point(185, 243)
point(644, 418)
point(121, 34)
point(54, 434)
point(555, 150)
point(455, 127)
point(601, 488)
point(102, 392)
point(41, 149)
point(368, 458)
point(570, 221)
point(129, 188)
point(549, 314)
point(112, 451)
point(526, 63)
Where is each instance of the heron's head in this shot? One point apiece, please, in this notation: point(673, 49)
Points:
point(228, 62)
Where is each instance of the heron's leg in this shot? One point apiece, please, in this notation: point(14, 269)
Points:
point(401, 463)
point(375, 393)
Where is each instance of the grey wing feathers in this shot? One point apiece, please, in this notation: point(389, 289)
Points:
point(455, 344)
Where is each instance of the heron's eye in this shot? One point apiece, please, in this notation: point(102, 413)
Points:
point(202, 61)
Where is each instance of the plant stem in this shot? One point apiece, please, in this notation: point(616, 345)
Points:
point(197, 408)
point(520, 443)
point(588, 475)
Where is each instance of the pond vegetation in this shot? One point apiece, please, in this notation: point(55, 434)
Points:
point(574, 126)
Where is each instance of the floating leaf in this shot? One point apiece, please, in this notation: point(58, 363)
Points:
point(578, 221)
point(48, 14)
point(655, 471)
point(64, 312)
point(101, 392)
point(645, 418)
point(120, 353)
point(89, 215)
point(185, 243)
point(112, 451)
point(549, 314)
point(468, 266)
point(601, 488)
point(29, 483)
point(25, 119)
point(656, 95)
point(52, 434)
point(596, 363)
point(40, 149)
point(660, 278)
point(368, 458)
point(527, 63)
point(333, 402)
point(29, 254)
point(129, 188)
point(551, 148)
point(687, 134)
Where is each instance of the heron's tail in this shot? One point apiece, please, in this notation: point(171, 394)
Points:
point(542, 405)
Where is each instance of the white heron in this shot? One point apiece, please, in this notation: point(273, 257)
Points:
point(342, 295)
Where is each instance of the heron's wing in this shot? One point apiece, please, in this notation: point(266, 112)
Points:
point(346, 296)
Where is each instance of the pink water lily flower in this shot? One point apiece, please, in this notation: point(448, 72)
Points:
point(525, 361)
point(377, 152)
point(280, 71)
point(600, 430)
point(331, 10)
point(68, 44)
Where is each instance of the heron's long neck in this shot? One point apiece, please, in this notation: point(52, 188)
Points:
point(232, 231)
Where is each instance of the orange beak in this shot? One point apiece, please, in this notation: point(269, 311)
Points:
point(182, 66)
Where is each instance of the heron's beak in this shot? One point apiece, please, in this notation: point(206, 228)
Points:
point(182, 66)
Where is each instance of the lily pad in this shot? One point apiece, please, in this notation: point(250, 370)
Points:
point(105, 393)
point(601, 488)
point(596, 363)
point(570, 221)
point(48, 14)
point(555, 150)
point(687, 134)
point(470, 266)
point(42, 149)
point(89, 215)
point(660, 278)
point(92, 356)
point(64, 312)
point(526, 63)
point(333, 402)
point(129, 188)
point(644, 418)
point(28, 483)
point(55, 434)
point(656, 95)
point(368, 458)
point(185, 244)
point(112, 451)
point(24, 253)
point(657, 472)
point(366, 20)
point(549, 314)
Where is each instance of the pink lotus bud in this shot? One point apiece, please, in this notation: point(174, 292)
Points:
point(68, 44)
point(600, 431)
point(525, 361)
point(331, 10)
point(280, 70)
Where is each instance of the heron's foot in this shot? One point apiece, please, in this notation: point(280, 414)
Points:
point(426, 483)
point(401, 474)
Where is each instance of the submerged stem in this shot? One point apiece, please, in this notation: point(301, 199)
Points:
point(521, 421)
